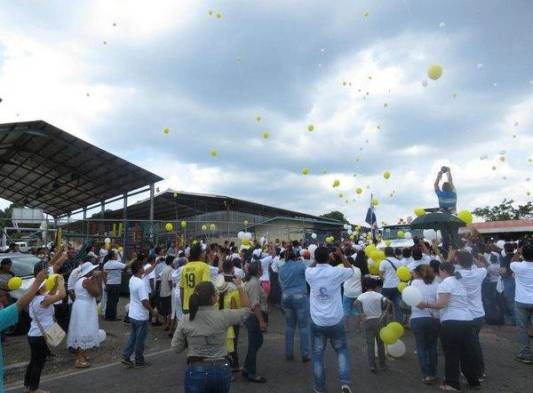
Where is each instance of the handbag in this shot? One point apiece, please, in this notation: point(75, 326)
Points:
point(53, 335)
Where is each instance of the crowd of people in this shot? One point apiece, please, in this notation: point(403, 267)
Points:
point(204, 294)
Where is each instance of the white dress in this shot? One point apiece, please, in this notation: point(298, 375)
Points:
point(83, 326)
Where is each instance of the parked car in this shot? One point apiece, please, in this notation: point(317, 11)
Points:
point(22, 267)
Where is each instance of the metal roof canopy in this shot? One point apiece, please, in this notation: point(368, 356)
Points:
point(44, 167)
point(173, 205)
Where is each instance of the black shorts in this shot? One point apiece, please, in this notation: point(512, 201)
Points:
point(165, 305)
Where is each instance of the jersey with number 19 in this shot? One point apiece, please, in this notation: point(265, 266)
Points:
point(192, 274)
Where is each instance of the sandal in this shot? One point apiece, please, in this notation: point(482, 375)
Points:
point(82, 364)
point(448, 388)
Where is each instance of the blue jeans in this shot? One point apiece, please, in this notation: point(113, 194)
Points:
point(296, 308)
point(136, 340)
point(337, 338)
point(207, 379)
point(255, 341)
point(393, 294)
point(426, 331)
point(509, 286)
point(524, 313)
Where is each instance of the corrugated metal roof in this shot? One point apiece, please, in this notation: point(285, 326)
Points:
point(43, 166)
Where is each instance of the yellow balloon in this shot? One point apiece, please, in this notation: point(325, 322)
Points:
point(374, 269)
point(419, 212)
point(310, 128)
point(403, 273)
point(400, 234)
point(402, 285)
point(375, 202)
point(169, 227)
point(336, 183)
point(388, 335)
point(50, 282)
point(258, 119)
point(183, 224)
point(305, 171)
point(369, 249)
point(359, 190)
point(386, 175)
point(434, 72)
point(388, 243)
point(213, 227)
point(266, 135)
point(14, 283)
point(166, 131)
point(465, 216)
point(204, 227)
point(213, 153)
point(397, 328)
point(245, 222)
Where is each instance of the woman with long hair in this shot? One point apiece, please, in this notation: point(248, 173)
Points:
point(256, 323)
point(83, 327)
point(425, 324)
point(41, 310)
point(456, 329)
point(295, 303)
point(203, 333)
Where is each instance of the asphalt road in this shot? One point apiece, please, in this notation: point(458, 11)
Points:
point(166, 371)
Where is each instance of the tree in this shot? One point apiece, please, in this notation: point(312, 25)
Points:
point(335, 215)
point(505, 211)
point(5, 215)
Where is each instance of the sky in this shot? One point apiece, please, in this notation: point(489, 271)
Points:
point(219, 74)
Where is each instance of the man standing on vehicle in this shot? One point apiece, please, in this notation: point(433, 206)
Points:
point(448, 194)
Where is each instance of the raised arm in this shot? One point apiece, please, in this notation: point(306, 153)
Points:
point(450, 179)
point(437, 181)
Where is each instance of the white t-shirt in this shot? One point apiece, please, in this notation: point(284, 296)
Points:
point(472, 280)
point(523, 273)
point(277, 263)
point(138, 293)
point(352, 286)
point(406, 261)
point(429, 295)
point(458, 308)
point(390, 279)
point(114, 271)
point(265, 264)
point(326, 301)
point(44, 314)
point(239, 272)
point(372, 304)
point(425, 260)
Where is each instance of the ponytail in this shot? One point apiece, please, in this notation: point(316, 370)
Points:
point(202, 296)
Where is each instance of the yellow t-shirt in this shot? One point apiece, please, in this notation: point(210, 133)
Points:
point(191, 275)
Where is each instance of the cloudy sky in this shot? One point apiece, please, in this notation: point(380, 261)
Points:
point(116, 73)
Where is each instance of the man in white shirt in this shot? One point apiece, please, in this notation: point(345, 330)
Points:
point(387, 271)
point(139, 315)
point(523, 273)
point(327, 316)
point(472, 278)
point(112, 278)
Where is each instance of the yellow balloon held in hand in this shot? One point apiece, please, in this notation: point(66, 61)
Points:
point(402, 285)
point(305, 171)
point(50, 282)
point(336, 183)
point(434, 72)
point(388, 335)
point(14, 283)
point(169, 227)
point(397, 328)
point(419, 212)
point(465, 216)
point(403, 273)
point(387, 175)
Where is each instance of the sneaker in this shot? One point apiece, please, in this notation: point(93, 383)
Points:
point(127, 362)
point(523, 359)
point(346, 389)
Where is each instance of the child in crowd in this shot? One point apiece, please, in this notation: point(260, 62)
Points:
point(371, 305)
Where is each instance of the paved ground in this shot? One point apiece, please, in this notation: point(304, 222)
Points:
point(166, 371)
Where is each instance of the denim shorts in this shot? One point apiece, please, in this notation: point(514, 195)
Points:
point(348, 306)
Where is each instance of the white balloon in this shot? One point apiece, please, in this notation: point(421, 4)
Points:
point(396, 350)
point(408, 235)
point(313, 235)
point(247, 235)
point(500, 244)
point(412, 296)
point(107, 240)
point(240, 235)
point(349, 232)
point(262, 240)
point(101, 336)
